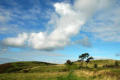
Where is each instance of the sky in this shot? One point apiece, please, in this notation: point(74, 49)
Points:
point(57, 30)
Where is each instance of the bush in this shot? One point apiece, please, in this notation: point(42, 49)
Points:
point(95, 66)
point(69, 65)
point(25, 70)
point(108, 66)
point(116, 64)
point(68, 62)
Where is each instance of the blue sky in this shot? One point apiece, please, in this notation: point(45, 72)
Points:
point(57, 30)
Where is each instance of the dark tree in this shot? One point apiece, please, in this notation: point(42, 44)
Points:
point(82, 57)
point(85, 58)
point(88, 60)
point(68, 62)
point(69, 65)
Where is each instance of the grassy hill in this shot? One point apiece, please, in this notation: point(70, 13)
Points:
point(21, 66)
point(48, 71)
point(100, 63)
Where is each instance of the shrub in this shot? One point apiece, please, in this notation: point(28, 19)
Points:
point(95, 66)
point(108, 66)
point(25, 70)
point(68, 62)
point(116, 64)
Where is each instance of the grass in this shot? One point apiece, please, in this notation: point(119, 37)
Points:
point(76, 75)
point(31, 76)
point(46, 71)
point(21, 66)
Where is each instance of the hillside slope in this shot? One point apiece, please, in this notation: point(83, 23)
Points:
point(48, 71)
point(100, 63)
point(34, 66)
point(19, 66)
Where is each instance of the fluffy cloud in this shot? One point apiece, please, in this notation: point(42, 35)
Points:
point(64, 29)
point(18, 41)
point(68, 21)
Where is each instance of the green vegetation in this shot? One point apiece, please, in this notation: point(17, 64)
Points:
point(21, 66)
point(88, 70)
point(95, 66)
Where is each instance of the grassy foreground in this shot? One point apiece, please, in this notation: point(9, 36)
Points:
point(45, 71)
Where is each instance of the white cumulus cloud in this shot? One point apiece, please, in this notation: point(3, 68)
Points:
point(67, 23)
point(18, 41)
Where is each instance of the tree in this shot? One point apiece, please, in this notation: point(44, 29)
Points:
point(88, 60)
point(82, 57)
point(69, 65)
point(68, 62)
point(85, 57)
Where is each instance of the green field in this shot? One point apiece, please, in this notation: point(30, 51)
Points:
point(45, 71)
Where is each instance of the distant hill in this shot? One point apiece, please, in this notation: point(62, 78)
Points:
point(35, 66)
point(18, 66)
point(33, 70)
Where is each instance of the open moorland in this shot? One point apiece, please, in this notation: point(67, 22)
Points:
point(95, 70)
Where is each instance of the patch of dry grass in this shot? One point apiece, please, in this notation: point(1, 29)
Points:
point(31, 76)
